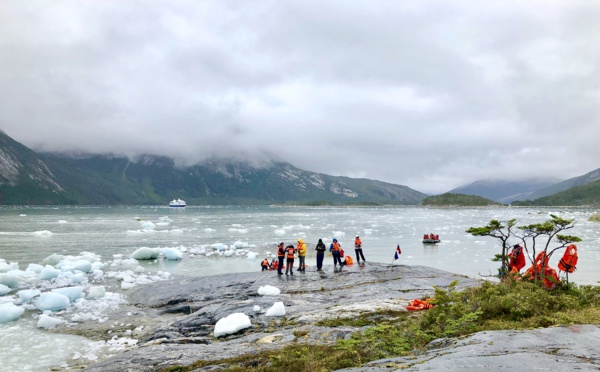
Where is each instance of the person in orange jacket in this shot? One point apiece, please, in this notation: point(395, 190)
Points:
point(289, 254)
point(358, 249)
point(280, 257)
point(265, 265)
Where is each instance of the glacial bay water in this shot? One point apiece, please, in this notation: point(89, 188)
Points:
point(30, 234)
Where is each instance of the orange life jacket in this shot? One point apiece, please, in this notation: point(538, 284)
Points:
point(281, 251)
point(290, 252)
point(417, 304)
point(336, 247)
point(265, 263)
point(568, 262)
point(357, 243)
point(550, 278)
point(425, 236)
point(349, 260)
point(517, 259)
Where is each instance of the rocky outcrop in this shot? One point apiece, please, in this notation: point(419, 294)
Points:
point(185, 310)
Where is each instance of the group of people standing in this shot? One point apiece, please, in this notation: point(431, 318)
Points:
point(288, 253)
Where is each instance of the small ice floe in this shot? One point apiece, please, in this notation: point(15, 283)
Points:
point(278, 309)
point(209, 230)
point(62, 221)
point(22, 215)
point(4, 290)
point(219, 247)
point(10, 312)
point(43, 233)
point(6, 267)
point(49, 272)
point(72, 293)
point(252, 255)
point(339, 234)
point(232, 324)
point(239, 244)
point(241, 231)
point(96, 292)
point(146, 253)
point(172, 253)
point(48, 322)
point(52, 301)
point(256, 308)
point(26, 295)
point(268, 290)
point(280, 232)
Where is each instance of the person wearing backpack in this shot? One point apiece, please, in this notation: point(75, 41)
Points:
point(335, 249)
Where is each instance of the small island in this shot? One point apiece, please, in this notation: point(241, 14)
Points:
point(460, 200)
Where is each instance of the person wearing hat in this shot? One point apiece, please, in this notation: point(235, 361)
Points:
point(358, 249)
point(301, 248)
point(335, 249)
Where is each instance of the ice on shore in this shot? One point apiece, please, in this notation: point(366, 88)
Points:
point(278, 309)
point(268, 290)
point(72, 293)
point(10, 312)
point(232, 324)
point(4, 290)
point(43, 233)
point(52, 301)
point(48, 322)
point(27, 295)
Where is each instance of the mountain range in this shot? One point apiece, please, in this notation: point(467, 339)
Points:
point(31, 178)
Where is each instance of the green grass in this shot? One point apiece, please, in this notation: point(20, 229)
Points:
point(509, 305)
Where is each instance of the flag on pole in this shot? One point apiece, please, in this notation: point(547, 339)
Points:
point(397, 253)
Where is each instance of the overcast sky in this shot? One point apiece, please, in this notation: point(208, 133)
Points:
point(428, 94)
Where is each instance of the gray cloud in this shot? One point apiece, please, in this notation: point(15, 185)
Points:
point(428, 94)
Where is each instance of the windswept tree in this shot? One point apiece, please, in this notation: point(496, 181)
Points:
point(498, 230)
point(546, 234)
point(536, 238)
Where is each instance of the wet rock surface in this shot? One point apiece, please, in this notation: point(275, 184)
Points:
point(179, 315)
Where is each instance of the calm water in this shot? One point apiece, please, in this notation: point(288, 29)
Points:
point(28, 235)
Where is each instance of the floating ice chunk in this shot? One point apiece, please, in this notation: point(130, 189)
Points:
point(62, 221)
point(22, 215)
point(36, 268)
point(80, 265)
point(52, 301)
point(43, 233)
point(46, 321)
point(48, 273)
point(268, 290)
point(147, 225)
point(18, 279)
point(10, 312)
point(252, 255)
point(172, 253)
point(209, 230)
point(256, 308)
point(27, 295)
point(146, 253)
point(176, 231)
point(280, 232)
point(73, 293)
point(231, 324)
point(53, 259)
point(219, 246)
point(95, 293)
point(339, 234)
point(239, 245)
point(228, 253)
point(4, 290)
point(278, 309)
point(5, 267)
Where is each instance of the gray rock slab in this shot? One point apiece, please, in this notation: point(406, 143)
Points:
point(185, 310)
point(574, 348)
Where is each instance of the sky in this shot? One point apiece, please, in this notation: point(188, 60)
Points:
point(429, 94)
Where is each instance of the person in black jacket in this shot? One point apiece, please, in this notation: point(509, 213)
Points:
point(320, 254)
